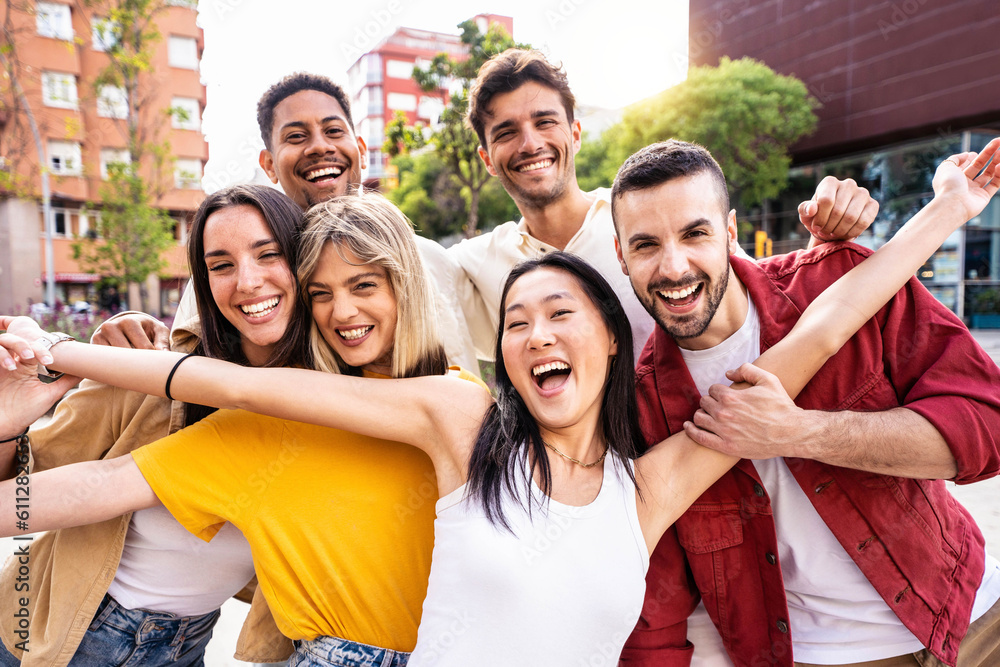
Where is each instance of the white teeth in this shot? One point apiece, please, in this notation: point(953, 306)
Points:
point(354, 334)
point(553, 366)
point(679, 294)
point(260, 309)
point(328, 171)
point(535, 165)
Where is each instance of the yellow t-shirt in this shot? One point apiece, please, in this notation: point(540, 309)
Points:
point(341, 526)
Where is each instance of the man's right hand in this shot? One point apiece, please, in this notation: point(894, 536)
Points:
point(138, 330)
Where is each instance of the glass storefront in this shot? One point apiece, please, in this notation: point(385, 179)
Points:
point(964, 273)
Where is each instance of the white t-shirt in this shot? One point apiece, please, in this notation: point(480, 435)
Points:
point(166, 568)
point(835, 614)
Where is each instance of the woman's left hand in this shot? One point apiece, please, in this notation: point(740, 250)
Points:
point(958, 177)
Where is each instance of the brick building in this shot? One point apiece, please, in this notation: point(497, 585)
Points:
point(380, 83)
point(903, 84)
point(62, 51)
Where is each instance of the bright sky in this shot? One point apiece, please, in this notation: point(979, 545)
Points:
point(615, 53)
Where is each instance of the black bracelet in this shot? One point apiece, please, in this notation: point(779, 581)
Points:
point(174, 370)
point(16, 437)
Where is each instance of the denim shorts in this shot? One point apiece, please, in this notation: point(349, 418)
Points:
point(336, 652)
point(119, 637)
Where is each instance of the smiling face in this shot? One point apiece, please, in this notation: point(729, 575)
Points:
point(673, 242)
point(249, 278)
point(530, 145)
point(556, 349)
point(314, 153)
point(354, 308)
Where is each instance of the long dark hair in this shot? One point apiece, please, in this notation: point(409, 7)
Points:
point(510, 433)
point(219, 338)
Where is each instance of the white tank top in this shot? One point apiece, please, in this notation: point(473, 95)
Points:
point(565, 589)
point(166, 568)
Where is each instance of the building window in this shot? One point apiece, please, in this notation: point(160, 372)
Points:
point(112, 102)
point(430, 108)
point(187, 174)
point(182, 52)
point(64, 158)
point(59, 90)
point(53, 20)
point(113, 156)
point(185, 113)
point(60, 222)
point(398, 69)
point(373, 68)
point(401, 101)
point(102, 34)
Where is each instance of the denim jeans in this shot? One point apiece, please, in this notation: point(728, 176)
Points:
point(336, 652)
point(119, 637)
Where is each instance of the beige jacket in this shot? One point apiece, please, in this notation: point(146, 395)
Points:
point(71, 569)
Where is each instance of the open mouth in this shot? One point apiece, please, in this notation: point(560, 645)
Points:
point(534, 166)
point(550, 375)
point(261, 308)
point(324, 175)
point(679, 298)
point(356, 333)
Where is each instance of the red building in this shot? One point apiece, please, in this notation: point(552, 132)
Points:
point(381, 82)
point(62, 51)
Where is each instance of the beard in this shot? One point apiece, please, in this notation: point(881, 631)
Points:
point(535, 197)
point(693, 324)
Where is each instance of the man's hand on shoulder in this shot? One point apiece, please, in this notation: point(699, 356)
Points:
point(138, 330)
point(839, 211)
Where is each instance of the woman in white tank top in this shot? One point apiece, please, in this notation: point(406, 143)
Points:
point(546, 521)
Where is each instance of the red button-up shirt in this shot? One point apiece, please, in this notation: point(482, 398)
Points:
point(917, 546)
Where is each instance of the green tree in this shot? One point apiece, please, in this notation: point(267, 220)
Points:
point(400, 137)
point(742, 111)
point(135, 231)
point(454, 142)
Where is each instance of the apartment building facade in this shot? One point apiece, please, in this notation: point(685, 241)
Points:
point(380, 82)
point(61, 51)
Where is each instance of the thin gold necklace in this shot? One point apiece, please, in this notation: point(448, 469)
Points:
point(577, 461)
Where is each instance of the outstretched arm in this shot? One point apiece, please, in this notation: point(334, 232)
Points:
point(676, 474)
point(439, 414)
point(73, 495)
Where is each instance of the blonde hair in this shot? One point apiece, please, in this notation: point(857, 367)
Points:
point(376, 232)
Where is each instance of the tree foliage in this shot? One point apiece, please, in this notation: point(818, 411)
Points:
point(134, 233)
point(437, 204)
point(742, 111)
point(454, 142)
point(400, 137)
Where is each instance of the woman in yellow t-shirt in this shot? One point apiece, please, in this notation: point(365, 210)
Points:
point(340, 525)
point(528, 481)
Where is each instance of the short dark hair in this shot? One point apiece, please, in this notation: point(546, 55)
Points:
point(291, 84)
point(500, 461)
point(664, 161)
point(505, 73)
point(219, 338)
